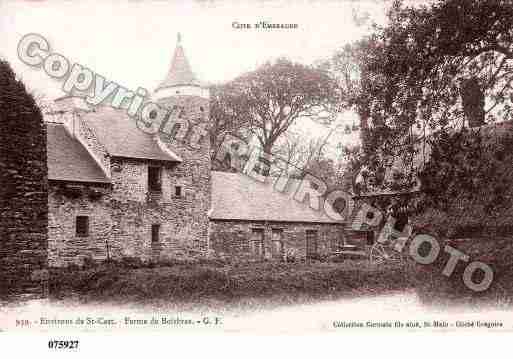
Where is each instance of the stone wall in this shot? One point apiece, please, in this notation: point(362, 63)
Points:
point(195, 170)
point(229, 239)
point(66, 201)
point(183, 219)
point(23, 189)
point(121, 218)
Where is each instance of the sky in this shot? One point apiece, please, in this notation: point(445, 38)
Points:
point(132, 42)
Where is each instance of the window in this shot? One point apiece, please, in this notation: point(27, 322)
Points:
point(277, 243)
point(178, 191)
point(154, 182)
point(82, 226)
point(257, 242)
point(311, 243)
point(155, 233)
point(370, 238)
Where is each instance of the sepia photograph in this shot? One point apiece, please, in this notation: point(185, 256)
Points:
point(258, 167)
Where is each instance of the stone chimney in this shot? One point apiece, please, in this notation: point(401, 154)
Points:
point(472, 98)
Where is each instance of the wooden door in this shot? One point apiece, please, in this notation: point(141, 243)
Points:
point(257, 243)
point(311, 243)
point(277, 249)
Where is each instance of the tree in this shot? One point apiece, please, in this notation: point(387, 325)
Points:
point(274, 96)
point(298, 151)
point(468, 180)
point(431, 67)
point(224, 120)
point(349, 66)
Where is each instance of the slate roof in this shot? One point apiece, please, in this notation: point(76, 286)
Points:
point(180, 72)
point(121, 137)
point(68, 160)
point(236, 196)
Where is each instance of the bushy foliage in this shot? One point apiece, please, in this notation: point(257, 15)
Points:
point(429, 68)
point(468, 182)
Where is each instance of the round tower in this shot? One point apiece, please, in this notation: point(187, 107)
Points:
point(185, 132)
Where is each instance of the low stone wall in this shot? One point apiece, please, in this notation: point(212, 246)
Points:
point(230, 239)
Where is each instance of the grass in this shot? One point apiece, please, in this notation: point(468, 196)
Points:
point(224, 284)
point(435, 289)
point(221, 284)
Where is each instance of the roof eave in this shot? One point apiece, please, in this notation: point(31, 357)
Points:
point(167, 86)
point(179, 160)
point(214, 218)
point(81, 181)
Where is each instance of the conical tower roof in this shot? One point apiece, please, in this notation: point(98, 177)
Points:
point(180, 72)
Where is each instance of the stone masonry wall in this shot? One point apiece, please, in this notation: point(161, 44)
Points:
point(195, 170)
point(122, 217)
point(125, 213)
point(23, 190)
point(229, 239)
point(64, 247)
point(183, 219)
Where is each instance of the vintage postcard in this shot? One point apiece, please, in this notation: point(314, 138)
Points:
point(258, 167)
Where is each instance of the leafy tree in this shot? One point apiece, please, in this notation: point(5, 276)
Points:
point(474, 193)
point(431, 67)
point(224, 120)
point(274, 96)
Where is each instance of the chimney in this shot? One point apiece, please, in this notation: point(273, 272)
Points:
point(472, 98)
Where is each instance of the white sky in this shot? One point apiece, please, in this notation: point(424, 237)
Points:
point(132, 43)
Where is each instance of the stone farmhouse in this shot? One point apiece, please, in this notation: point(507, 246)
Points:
point(116, 191)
